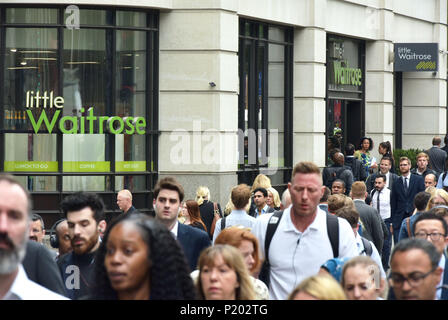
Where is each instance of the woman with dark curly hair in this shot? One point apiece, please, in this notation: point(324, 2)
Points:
point(139, 259)
point(363, 154)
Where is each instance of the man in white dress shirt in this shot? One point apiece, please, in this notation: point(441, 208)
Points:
point(15, 219)
point(300, 244)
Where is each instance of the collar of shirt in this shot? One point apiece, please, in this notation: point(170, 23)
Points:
point(441, 265)
point(18, 290)
point(359, 243)
point(175, 229)
point(238, 212)
point(263, 211)
point(408, 176)
point(318, 222)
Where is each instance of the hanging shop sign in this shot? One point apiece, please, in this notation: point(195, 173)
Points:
point(416, 57)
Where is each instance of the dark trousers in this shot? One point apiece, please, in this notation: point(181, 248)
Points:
point(387, 245)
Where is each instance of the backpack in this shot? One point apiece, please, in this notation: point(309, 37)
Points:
point(367, 247)
point(334, 175)
point(332, 231)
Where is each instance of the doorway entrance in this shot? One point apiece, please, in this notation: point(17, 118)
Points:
point(344, 122)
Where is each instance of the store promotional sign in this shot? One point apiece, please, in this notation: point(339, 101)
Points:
point(416, 57)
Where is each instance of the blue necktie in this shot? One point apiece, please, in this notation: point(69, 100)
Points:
point(405, 184)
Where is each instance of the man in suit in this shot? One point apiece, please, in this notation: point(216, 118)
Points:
point(40, 267)
point(402, 195)
point(168, 195)
point(437, 156)
point(369, 216)
point(385, 167)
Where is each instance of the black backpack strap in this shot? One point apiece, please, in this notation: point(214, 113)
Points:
point(223, 223)
point(367, 246)
point(333, 233)
point(273, 223)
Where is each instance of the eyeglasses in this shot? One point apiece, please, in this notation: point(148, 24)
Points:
point(435, 236)
point(414, 279)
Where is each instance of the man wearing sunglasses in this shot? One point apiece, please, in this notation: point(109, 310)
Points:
point(415, 273)
point(432, 227)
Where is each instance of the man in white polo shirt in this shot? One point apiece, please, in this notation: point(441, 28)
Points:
point(301, 244)
point(15, 219)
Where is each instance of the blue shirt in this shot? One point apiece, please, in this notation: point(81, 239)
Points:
point(236, 217)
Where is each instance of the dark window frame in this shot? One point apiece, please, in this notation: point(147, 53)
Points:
point(248, 172)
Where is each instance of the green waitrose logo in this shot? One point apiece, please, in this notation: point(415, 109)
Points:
point(346, 75)
point(80, 125)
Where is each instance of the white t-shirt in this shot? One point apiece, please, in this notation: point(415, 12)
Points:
point(292, 260)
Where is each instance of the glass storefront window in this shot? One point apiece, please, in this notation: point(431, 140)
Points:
point(131, 19)
point(31, 15)
point(85, 82)
point(31, 70)
point(136, 183)
point(131, 73)
point(52, 78)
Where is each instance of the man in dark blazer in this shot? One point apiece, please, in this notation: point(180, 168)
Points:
point(370, 219)
point(384, 168)
point(437, 156)
point(168, 196)
point(402, 197)
point(41, 267)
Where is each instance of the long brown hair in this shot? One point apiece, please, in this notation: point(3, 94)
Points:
point(195, 214)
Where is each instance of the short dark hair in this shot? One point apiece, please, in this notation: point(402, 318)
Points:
point(424, 245)
point(430, 216)
point(169, 183)
point(262, 190)
point(386, 158)
point(36, 217)
point(421, 200)
point(339, 180)
point(349, 149)
point(382, 176)
point(80, 200)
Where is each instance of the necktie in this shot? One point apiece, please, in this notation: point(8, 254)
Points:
point(378, 201)
point(406, 185)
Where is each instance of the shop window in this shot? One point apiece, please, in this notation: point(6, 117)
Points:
point(55, 77)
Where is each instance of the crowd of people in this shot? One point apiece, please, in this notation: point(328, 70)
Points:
point(354, 231)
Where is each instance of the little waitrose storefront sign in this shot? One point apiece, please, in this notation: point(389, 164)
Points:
point(82, 124)
point(416, 57)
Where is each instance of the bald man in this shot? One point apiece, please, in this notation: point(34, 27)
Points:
point(338, 171)
point(124, 202)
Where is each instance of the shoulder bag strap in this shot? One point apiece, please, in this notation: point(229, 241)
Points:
point(273, 223)
point(333, 233)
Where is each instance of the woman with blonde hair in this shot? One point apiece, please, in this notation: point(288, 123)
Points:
point(439, 197)
point(273, 199)
point(207, 208)
point(318, 287)
point(223, 275)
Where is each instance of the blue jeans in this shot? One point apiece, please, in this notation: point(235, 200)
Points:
point(387, 246)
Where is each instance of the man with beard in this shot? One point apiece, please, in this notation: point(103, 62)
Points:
point(83, 211)
point(15, 220)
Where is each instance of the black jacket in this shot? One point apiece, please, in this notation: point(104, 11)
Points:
point(359, 174)
point(41, 267)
